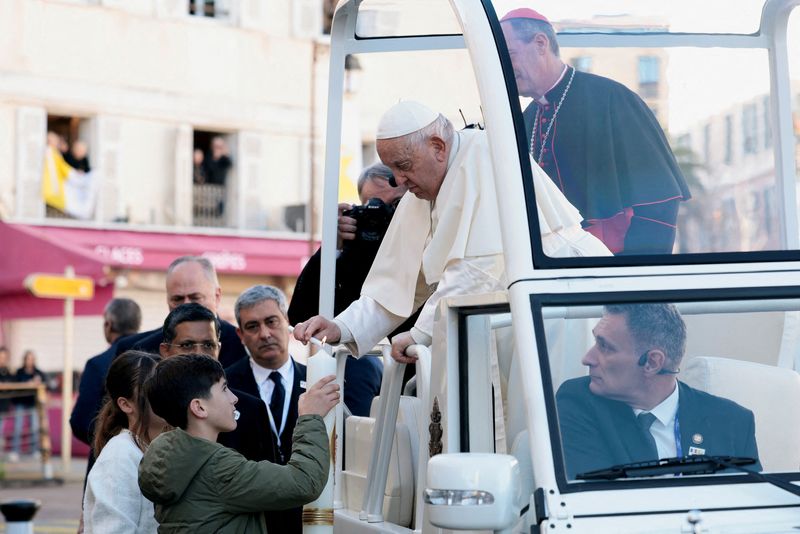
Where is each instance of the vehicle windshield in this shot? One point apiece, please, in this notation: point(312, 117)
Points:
point(656, 122)
point(399, 18)
point(640, 381)
point(710, 16)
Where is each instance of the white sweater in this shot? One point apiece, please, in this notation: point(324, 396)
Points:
point(113, 501)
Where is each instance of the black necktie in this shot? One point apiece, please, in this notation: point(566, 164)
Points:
point(645, 420)
point(276, 402)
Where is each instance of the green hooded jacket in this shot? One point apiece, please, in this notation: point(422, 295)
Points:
point(199, 486)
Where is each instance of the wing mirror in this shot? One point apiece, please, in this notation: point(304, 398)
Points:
point(473, 491)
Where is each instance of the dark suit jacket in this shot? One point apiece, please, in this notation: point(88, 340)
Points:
point(240, 376)
point(135, 341)
point(91, 390)
point(231, 351)
point(91, 394)
point(362, 383)
point(597, 432)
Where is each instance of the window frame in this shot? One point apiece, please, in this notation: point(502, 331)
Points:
point(775, 12)
point(538, 301)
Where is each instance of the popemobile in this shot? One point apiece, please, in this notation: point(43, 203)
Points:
point(649, 384)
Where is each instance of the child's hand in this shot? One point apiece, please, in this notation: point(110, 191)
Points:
point(320, 398)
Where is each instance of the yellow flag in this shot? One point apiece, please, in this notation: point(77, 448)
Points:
point(55, 173)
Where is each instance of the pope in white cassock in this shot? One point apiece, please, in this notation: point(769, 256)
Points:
point(444, 238)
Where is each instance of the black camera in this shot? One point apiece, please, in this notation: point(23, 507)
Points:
point(372, 220)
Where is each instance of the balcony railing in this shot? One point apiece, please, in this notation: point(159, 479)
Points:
point(208, 208)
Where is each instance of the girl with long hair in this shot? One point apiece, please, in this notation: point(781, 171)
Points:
point(125, 427)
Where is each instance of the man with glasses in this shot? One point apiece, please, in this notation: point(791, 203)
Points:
point(194, 329)
point(191, 279)
point(633, 408)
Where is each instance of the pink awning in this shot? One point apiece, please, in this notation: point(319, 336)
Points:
point(29, 248)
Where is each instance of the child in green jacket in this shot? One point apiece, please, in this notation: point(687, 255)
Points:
point(198, 485)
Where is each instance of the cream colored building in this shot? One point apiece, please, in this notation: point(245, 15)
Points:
point(140, 77)
point(144, 82)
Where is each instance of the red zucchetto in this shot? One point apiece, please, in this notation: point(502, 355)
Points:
point(524, 13)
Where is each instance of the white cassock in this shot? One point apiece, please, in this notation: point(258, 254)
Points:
point(452, 246)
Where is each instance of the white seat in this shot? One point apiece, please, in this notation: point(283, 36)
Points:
point(398, 501)
point(772, 393)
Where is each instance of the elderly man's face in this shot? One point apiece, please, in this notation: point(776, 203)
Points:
point(188, 283)
point(528, 61)
point(381, 189)
point(193, 337)
point(420, 168)
point(264, 330)
point(613, 360)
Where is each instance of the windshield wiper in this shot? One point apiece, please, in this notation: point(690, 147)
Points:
point(687, 465)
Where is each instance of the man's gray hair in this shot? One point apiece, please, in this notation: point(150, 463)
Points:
point(441, 127)
point(654, 326)
point(376, 171)
point(256, 295)
point(526, 29)
point(208, 267)
point(123, 315)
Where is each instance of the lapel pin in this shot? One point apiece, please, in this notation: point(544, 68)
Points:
point(697, 439)
point(302, 384)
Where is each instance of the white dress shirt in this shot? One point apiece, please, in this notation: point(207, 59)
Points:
point(267, 386)
point(663, 428)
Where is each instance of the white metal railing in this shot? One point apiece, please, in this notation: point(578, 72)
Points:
point(384, 430)
point(208, 204)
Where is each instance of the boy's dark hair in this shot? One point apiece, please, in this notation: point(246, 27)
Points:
point(178, 380)
point(188, 313)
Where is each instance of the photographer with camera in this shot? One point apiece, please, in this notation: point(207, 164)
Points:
point(360, 231)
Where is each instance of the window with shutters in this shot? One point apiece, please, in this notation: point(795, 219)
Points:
point(69, 188)
point(216, 9)
point(212, 164)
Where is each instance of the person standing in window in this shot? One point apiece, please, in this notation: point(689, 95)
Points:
point(218, 162)
point(216, 166)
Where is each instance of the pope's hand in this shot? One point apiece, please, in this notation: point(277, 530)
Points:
point(318, 327)
point(400, 343)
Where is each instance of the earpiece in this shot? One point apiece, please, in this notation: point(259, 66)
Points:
point(643, 360)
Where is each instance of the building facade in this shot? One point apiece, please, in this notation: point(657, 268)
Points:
point(147, 86)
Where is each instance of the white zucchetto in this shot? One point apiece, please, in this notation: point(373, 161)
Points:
point(404, 118)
